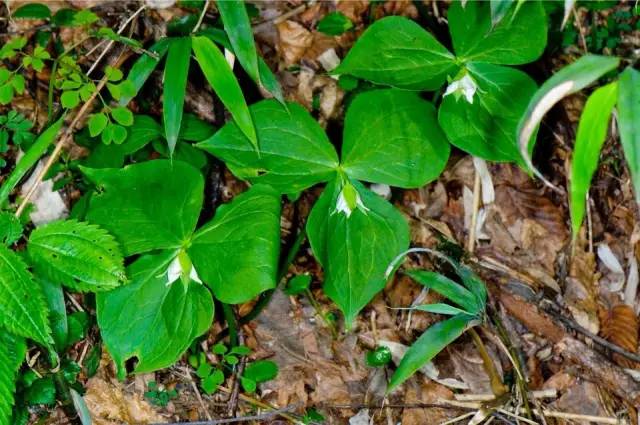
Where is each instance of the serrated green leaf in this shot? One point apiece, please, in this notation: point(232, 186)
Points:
point(23, 310)
point(149, 320)
point(147, 206)
point(238, 27)
point(568, 80)
point(295, 152)
point(97, 123)
point(487, 127)
point(176, 71)
point(12, 354)
point(142, 69)
point(392, 137)
point(430, 343)
point(236, 254)
point(592, 132)
point(10, 228)
point(224, 83)
point(520, 37)
point(79, 255)
point(348, 246)
point(396, 51)
point(629, 122)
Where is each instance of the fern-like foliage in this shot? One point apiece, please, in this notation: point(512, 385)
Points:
point(79, 255)
point(23, 310)
point(12, 351)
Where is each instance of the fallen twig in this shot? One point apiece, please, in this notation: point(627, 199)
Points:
point(260, 417)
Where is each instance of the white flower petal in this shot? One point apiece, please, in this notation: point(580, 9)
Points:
point(342, 205)
point(193, 275)
point(173, 271)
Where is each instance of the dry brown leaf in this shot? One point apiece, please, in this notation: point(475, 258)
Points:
point(109, 405)
point(428, 392)
point(353, 9)
point(581, 290)
point(620, 326)
point(293, 41)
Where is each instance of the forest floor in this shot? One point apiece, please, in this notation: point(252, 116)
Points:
point(552, 296)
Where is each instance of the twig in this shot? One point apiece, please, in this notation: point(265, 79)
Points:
point(66, 136)
point(197, 391)
point(394, 406)
point(260, 417)
point(201, 18)
point(259, 403)
point(233, 400)
point(471, 245)
point(550, 393)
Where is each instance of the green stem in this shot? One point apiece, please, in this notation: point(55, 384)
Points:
point(230, 318)
point(29, 159)
point(497, 387)
point(319, 312)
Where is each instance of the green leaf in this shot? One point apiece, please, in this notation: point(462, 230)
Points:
point(392, 137)
point(54, 296)
point(79, 255)
point(23, 310)
point(220, 77)
point(237, 253)
point(592, 132)
point(568, 80)
point(176, 72)
point(210, 383)
point(6, 94)
point(396, 51)
point(147, 206)
point(349, 248)
point(499, 8)
point(295, 152)
point(261, 371)
point(149, 320)
point(430, 343)
point(12, 354)
point(143, 130)
point(70, 99)
point(32, 11)
point(487, 127)
point(439, 308)
point(238, 27)
point(122, 115)
point(298, 284)
point(10, 228)
point(520, 37)
point(629, 123)
point(142, 69)
point(97, 123)
point(193, 129)
point(447, 288)
point(334, 23)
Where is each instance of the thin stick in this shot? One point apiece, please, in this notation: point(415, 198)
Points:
point(201, 18)
point(458, 418)
point(65, 137)
point(260, 417)
point(198, 395)
point(259, 403)
point(471, 244)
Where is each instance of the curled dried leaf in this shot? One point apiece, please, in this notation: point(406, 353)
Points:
point(620, 326)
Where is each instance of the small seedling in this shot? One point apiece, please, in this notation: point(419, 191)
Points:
point(158, 395)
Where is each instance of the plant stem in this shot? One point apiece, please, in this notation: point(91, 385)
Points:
point(497, 387)
point(230, 318)
point(319, 312)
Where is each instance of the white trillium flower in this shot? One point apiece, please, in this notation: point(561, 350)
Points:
point(464, 86)
point(348, 200)
point(181, 267)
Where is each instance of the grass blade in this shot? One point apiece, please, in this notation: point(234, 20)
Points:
point(143, 67)
point(629, 121)
point(238, 27)
point(447, 288)
point(175, 85)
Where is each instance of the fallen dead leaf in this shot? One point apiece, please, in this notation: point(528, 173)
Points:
point(293, 42)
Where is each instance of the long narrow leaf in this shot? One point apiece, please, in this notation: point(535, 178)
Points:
point(29, 159)
point(224, 83)
point(143, 67)
point(430, 343)
point(592, 132)
point(629, 121)
point(175, 85)
point(440, 308)
point(568, 80)
point(447, 288)
point(238, 27)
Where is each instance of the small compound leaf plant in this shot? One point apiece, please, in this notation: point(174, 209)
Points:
point(484, 97)
point(390, 137)
point(152, 209)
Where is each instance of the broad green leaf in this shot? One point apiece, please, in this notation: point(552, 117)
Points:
point(32, 11)
point(334, 23)
point(194, 129)
point(147, 206)
point(393, 137)
point(176, 71)
point(487, 127)
point(12, 354)
point(237, 253)
point(396, 51)
point(224, 83)
point(261, 371)
point(143, 130)
point(238, 27)
point(295, 152)
point(439, 308)
point(430, 343)
point(29, 159)
point(447, 288)
point(23, 310)
point(520, 37)
point(355, 250)
point(568, 80)
point(143, 67)
point(499, 8)
point(592, 132)
point(79, 255)
point(629, 122)
point(149, 320)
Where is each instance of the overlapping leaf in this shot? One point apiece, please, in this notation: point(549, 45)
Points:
point(629, 121)
point(12, 353)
